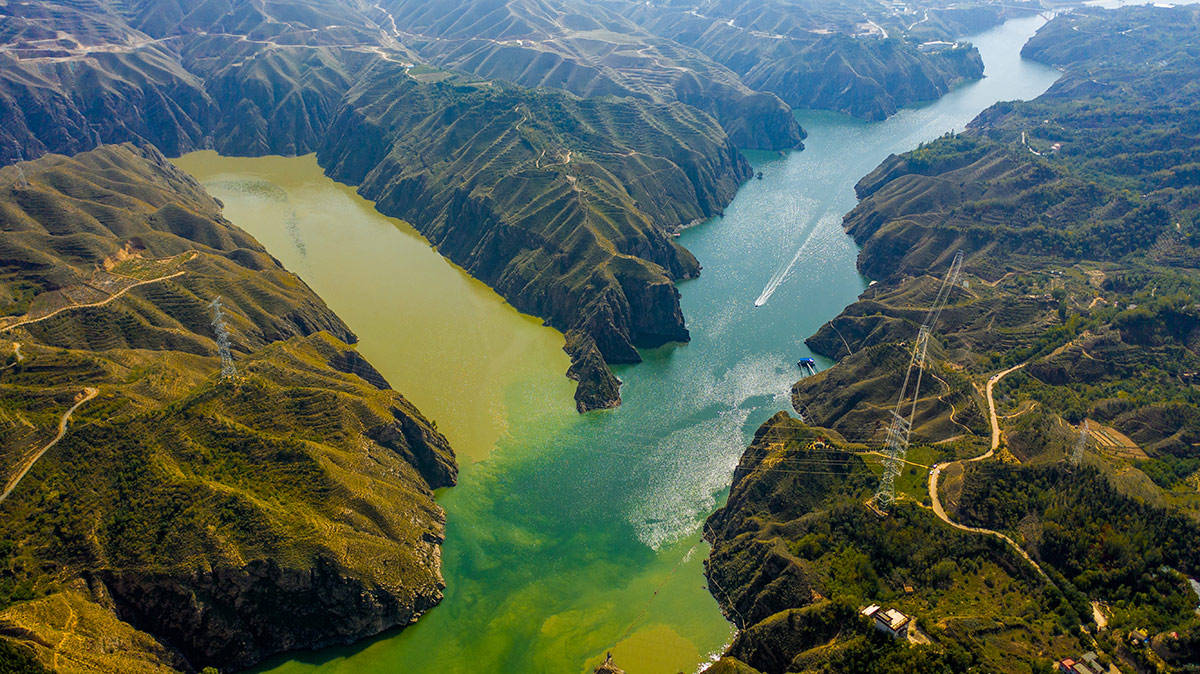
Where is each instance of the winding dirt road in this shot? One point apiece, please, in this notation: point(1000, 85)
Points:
point(936, 473)
point(119, 293)
point(88, 394)
point(992, 410)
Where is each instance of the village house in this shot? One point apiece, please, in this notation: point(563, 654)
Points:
point(889, 621)
point(1088, 663)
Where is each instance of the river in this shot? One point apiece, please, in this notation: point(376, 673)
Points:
point(571, 535)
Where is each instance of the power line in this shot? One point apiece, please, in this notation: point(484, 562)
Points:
point(228, 371)
point(1077, 455)
point(900, 429)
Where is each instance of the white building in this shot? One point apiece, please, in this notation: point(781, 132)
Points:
point(889, 621)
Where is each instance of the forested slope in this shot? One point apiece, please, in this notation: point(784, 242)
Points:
point(186, 519)
point(1077, 213)
point(565, 205)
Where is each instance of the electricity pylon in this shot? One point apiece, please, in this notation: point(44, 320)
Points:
point(228, 371)
point(905, 410)
point(1077, 455)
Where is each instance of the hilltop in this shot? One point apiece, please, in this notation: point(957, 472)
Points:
point(590, 131)
point(186, 519)
point(1077, 214)
point(866, 59)
point(565, 205)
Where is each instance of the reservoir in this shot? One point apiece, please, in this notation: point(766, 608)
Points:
point(572, 535)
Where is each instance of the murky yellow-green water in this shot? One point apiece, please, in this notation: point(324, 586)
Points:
point(493, 379)
point(445, 340)
point(578, 534)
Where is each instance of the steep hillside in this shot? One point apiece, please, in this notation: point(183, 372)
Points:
point(243, 78)
point(1077, 214)
point(571, 201)
point(565, 205)
point(187, 519)
point(590, 50)
point(796, 555)
point(861, 58)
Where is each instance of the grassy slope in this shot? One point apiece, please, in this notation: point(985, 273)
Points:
point(818, 54)
point(564, 205)
point(570, 201)
point(796, 554)
point(299, 493)
point(1081, 262)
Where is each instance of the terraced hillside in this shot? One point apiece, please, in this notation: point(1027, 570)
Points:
point(583, 194)
point(186, 519)
point(1077, 214)
point(590, 49)
point(861, 58)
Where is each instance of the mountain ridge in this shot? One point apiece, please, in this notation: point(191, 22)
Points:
point(1076, 213)
point(201, 520)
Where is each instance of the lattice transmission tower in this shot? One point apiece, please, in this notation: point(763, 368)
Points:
point(1077, 455)
point(228, 371)
point(905, 410)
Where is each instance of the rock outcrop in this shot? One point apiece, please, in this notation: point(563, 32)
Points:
point(598, 387)
point(565, 224)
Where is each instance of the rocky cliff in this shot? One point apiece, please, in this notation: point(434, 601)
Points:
point(564, 205)
point(567, 206)
point(195, 520)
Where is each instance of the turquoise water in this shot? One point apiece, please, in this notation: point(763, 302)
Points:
point(580, 534)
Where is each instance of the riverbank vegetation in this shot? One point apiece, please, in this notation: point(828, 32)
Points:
point(552, 150)
point(187, 518)
point(1077, 214)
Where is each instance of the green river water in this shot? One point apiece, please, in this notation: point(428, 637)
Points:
point(571, 535)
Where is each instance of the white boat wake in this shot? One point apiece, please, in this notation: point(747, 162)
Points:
point(786, 271)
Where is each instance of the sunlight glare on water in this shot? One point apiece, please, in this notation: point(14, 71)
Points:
point(581, 534)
